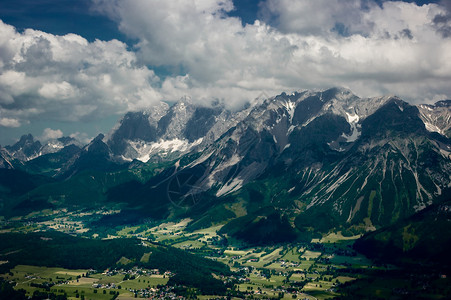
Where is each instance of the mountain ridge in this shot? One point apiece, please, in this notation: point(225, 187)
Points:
point(315, 160)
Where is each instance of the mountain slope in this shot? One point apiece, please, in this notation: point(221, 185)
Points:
point(437, 117)
point(424, 237)
point(330, 160)
point(301, 164)
point(280, 124)
point(392, 171)
point(7, 161)
point(52, 163)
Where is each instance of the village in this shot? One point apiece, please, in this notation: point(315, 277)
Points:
point(315, 270)
point(304, 271)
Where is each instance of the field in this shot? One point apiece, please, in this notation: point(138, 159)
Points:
point(73, 282)
point(323, 269)
point(284, 271)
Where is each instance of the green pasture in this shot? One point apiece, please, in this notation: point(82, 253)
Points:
point(337, 238)
point(42, 274)
point(311, 255)
point(25, 275)
point(358, 260)
point(292, 255)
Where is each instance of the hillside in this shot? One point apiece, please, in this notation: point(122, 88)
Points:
point(299, 165)
point(52, 249)
point(424, 237)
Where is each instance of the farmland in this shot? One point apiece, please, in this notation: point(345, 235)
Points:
point(86, 284)
point(324, 269)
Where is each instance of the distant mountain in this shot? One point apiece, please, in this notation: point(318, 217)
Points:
point(166, 133)
point(50, 159)
point(267, 134)
point(53, 164)
point(96, 156)
point(55, 145)
point(25, 149)
point(297, 164)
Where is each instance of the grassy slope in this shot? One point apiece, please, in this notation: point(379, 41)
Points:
point(425, 236)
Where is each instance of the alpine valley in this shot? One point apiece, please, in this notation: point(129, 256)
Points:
point(306, 173)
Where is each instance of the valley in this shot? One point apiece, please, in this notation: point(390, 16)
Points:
point(225, 149)
point(324, 268)
point(308, 195)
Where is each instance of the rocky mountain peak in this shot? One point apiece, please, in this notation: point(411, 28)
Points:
point(25, 149)
point(156, 112)
point(55, 145)
point(437, 117)
point(353, 163)
point(443, 103)
point(25, 140)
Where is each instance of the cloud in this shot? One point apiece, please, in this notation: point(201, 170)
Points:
point(446, 4)
point(317, 17)
point(50, 134)
point(371, 48)
point(8, 122)
point(57, 90)
point(67, 78)
point(215, 55)
point(83, 137)
point(442, 21)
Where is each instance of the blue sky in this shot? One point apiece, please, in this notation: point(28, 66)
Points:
point(59, 17)
point(69, 16)
point(74, 67)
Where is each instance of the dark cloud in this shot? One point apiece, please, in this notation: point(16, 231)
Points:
point(407, 33)
point(442, 22)
point(443, 25)
point(446, 4)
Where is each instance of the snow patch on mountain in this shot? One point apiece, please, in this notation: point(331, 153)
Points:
point(55, 145)
point(355, 132)
point(162, 148)
point(290, 107)
point(352, 118)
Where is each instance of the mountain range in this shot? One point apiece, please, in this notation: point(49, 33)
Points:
point(284, 168)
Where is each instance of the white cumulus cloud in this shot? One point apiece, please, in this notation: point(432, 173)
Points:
point(67, 78)
point(373, 49)
point(9, 122)
point(50, 134)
